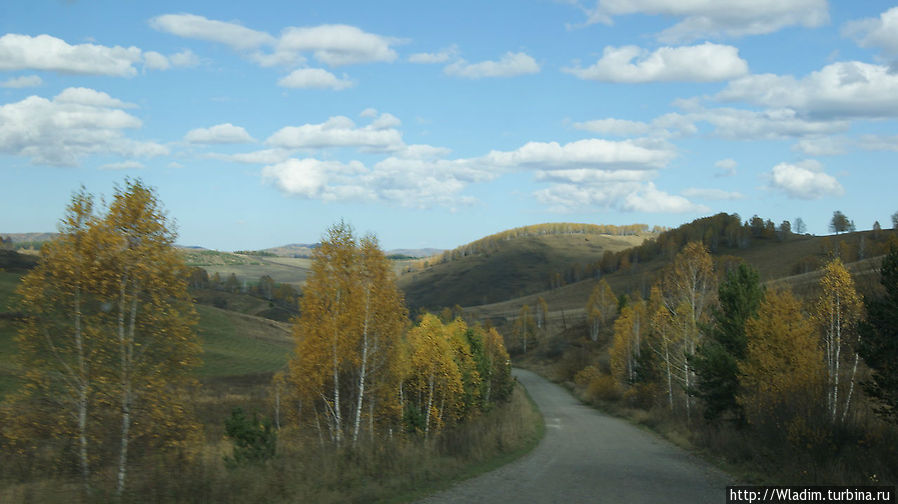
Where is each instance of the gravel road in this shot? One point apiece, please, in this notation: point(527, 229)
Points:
point(589, 457)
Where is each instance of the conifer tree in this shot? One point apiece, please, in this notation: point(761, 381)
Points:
point(879, 341)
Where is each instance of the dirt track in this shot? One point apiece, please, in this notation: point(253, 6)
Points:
point(590, 457)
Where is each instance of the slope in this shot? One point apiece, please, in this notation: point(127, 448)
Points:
point(510, 268)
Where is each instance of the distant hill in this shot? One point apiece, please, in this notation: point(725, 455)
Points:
point(791, 260)
point(29, 237)
point(415, 253)
point(509, 264)
point(293, 250)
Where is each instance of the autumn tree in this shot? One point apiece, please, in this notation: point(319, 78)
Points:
point(629, 332)
point(782, 371)
point(542, 315)
point(434, 383)
point(717, 358)
point(838, 310)
point(879, 342)
point(523, 326)
point(600, 308)
point(688, 288)
point(347, 338)
point(109, 340)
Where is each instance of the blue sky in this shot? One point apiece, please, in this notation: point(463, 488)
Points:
point(432, 125)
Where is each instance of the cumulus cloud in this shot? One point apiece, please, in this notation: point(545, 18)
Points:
point(225, 133)
point(727, 167)
point(185, 58)
point(155, 61)
point(198, 27)
point(772, 124)
point(823, 146)
point(76, 123)
point(340, 131)
point(44, 52)
point(337, 45)
point(667, 125)
point(593, 152)
point(22, 82)
point(314, 78)
point(712, 18)
point(437, 57)
point(840, 90)
point(881, 32)
point(711, 194)
point(510, 65)
point(700, 63)
point(804, 180)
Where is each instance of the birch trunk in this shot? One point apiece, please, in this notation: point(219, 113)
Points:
point(362, 371)
point(126, 341)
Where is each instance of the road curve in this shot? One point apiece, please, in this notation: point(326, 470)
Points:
point(589, 457)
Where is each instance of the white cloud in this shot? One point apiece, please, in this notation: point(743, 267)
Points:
point(839, 90)
point(665, 126)
point(727, 167)
point(368, 112)
point(90, 97)
point(314, 78)
point(155, 61)
point(590, 153)
point(773, 124)
point(700, 63)
point(76, 123)
point(879, 142)
point(437, 57)
point(650, 199)
point(823, 146)
point(310, 178)
point(711, 194)
point(804, 180)
point(44, 52)
point(197, 27)
point(185, 58)
point(510, 65)
point(713, 18)
point(335, 45)
point(22, 82)
point(225, 133)
point(123, 165)
point(339, 131)
point(879, 32)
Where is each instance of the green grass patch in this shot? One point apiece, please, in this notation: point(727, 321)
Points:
point(238, 345)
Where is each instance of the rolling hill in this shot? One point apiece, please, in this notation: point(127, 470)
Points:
point(508, 266)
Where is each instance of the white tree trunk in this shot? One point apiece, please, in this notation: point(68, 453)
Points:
point(362, 371)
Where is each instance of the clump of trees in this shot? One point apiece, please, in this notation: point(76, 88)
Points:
point(107, 342)
point(788, 372)
point(360, 372)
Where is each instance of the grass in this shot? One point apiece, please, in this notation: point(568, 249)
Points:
point(8, 369)
point(236, 344)
point(520, 266)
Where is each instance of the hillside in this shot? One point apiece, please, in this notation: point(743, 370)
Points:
point(792, 262)
point(508, 267)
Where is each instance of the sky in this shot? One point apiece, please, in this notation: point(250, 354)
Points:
point(432, 124)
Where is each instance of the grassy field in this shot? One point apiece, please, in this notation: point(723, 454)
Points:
point(238, 344)
point(281, 269)
point(520, 266)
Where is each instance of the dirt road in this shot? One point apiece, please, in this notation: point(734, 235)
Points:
point(590, 457)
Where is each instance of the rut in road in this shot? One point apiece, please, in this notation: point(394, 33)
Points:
point(587, 456)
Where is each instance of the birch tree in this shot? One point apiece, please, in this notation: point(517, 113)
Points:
point(629, 329)
point(688, 287)
point(109, 304)
point(838, 310)
point(600, 308)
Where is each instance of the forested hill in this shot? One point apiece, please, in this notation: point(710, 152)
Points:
point(512, 263)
